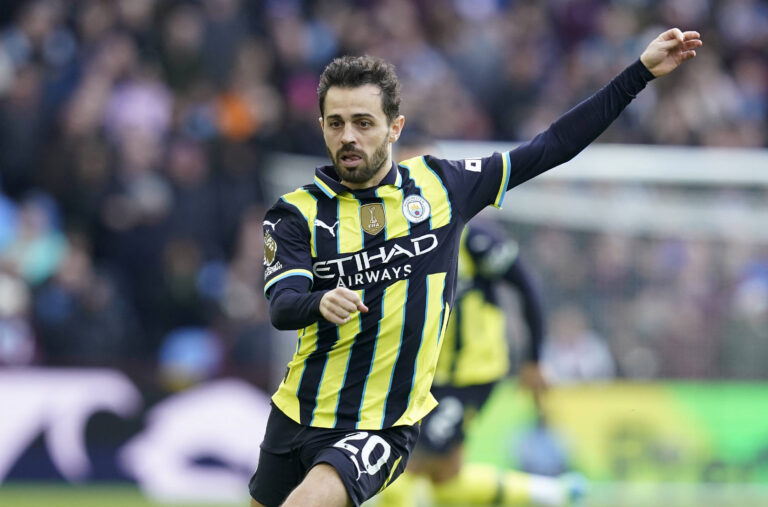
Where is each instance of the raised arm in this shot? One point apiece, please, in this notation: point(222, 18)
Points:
point(577, 128)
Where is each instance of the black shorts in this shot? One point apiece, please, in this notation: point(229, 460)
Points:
point(444, 428)
point(366, 460)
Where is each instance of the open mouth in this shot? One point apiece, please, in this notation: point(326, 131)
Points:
point(350, 159)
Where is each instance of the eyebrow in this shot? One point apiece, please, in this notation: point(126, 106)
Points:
point(355, 116)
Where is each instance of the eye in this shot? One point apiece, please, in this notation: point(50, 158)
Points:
point(334, 124)
point(365, 123)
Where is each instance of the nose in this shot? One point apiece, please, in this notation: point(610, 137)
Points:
point(348, 135)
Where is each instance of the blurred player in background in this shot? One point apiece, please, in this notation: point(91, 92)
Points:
point(473, 359)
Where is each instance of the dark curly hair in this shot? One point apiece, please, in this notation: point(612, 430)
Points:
point(354, 71)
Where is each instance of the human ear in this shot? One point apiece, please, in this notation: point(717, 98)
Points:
point(396, 128)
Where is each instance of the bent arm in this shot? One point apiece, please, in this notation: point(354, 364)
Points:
point(292, 306)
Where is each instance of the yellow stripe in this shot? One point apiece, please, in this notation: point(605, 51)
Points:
point(504, 180)
point(290, 272)
point(320, 183)
point(445, 364)
point(396, 224)
point(384, 355)
point(350, 229)
point(447, 352)
point(484, 355)
point(466, 268)
point(307, 205)
point(421, 400)
point(334, 373)
point(285, 397)
point(391, 473)
point(432, 190)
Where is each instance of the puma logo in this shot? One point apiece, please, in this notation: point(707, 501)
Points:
point(326, 226)
point(273, 225)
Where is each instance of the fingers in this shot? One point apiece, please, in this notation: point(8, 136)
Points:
point(353, 298)
point(673, 34)
point(683, 42)
point(335, 315)
point(339, 304)
point(692, 44)
point(674, 37)
point(690, 35)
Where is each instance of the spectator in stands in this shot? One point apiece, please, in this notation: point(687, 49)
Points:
point(110, 107)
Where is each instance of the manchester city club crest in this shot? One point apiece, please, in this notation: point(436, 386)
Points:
point(372, 218)
point(416, 209)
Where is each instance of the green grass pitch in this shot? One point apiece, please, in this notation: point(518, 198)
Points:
point(603, 495)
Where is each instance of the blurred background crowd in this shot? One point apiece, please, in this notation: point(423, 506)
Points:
point(134, 137)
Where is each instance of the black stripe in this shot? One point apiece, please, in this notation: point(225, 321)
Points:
point(457, 336)
point(402, 380)
point(407, 183)
point(313, 370)
point(325, 242)
point(360, 362)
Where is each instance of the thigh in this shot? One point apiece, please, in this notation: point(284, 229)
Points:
point(321, 486)
point(366, 461)
point(279, 470)
point(275, 477)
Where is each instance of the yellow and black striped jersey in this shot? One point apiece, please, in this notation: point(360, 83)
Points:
point(396, 244)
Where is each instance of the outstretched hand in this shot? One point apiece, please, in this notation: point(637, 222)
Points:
point(669, 50)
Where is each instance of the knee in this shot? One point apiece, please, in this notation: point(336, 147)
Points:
point(446, 467)
point(444, 472)
point(321, 486)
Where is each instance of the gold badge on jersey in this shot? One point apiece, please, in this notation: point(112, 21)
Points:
point(270, 249)
point(372, 218)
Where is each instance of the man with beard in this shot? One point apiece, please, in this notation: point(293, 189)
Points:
point(362, 262)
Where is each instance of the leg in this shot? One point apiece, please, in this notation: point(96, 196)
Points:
point(435, 461)
point(414, 487)
point(442, 467)
point(322, 487)
point(440, 450)
point(360, 464)
point(278, 472)
point(479, 484)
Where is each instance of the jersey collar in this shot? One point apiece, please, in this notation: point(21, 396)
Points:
point(328, 182)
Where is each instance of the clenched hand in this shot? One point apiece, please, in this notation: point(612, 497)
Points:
point(339, 304)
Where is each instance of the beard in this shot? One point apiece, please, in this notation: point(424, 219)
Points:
point(366, 169)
